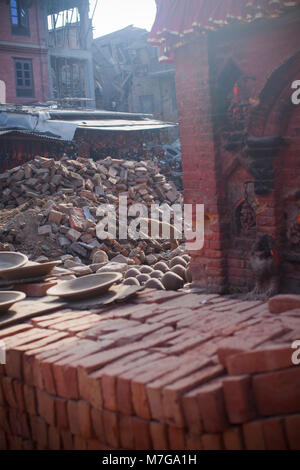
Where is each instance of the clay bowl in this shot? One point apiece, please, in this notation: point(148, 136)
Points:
point(9, 261)
point(31, 270)
point(9, 298)
point(85, 287)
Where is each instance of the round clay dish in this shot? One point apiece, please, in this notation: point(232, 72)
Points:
point(85, 287)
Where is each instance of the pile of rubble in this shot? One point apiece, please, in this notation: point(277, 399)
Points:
point(93, 181)
point(49, 209)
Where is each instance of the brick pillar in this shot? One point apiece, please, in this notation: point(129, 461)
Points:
point(199, 158)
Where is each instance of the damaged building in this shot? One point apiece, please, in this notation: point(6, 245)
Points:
point(129, 77)
point(45, 52)
point(70, 60)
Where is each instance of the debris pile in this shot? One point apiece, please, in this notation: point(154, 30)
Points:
point(93, 181)
point(49, 208)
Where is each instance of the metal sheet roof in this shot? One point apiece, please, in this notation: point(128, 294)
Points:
point(122, 125)
point(63, 125)
point(30, 133)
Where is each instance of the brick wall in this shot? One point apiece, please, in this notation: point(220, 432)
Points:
point(265, 56)
point(200, 170)
point(165, 371)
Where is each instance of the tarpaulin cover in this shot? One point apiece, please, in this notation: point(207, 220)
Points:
point(177, 21)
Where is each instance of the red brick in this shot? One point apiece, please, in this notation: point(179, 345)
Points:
point(282, 303)
point(191, 412)
point(212, 442)
point(77, 221)
point(26, 431)
point(152, 296)
point(233, 439)
point(4, 423)
point(30, 400)
point(97, 423)
point(133, 334)
point(90, 388)
point(80, 443)
point(3, 443)
point(124, 396)
point(254, 436)
point(8, 391)
point(65, 370)
point(67, 440)
point(61, 413)
point(233, 347)
point(176, 438)
point(239, 399)
point(110, 422)
point(93, 444)
point(28, 445)
point(212, 408)
point(292, 428)
point(277, 392)
point(193, 442)
point(141, 432)
point(274, 434)
point(18, 389)
point(39, 431)
point(46, 407)
point(172, 393)
point(126, 432)
point(41, 375)
point(66, 381)
point(14, 421)
point(73, 235)
point(54, 442)
point(185, 366)
point(85, 423)
point(188, 344)
point(101, 359)
point(263, 360)
point(108, 376)
point(14, 330)
point(73, 417)
point(31, 367)
point(159, 436)
point(140, 381)
point(14, 442)
point(13, 364)
point(19, 424)
point(2, 399)
point(56, 217)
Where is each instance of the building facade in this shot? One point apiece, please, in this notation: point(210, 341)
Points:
point(45, 52)
point(23, 52)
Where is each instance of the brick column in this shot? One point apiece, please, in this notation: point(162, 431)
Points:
point(199, 158)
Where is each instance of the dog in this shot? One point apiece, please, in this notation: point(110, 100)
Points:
point(264, 263)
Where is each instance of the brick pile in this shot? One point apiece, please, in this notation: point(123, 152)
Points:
point(49, 207)
point(93, 181)
point(170, 370)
